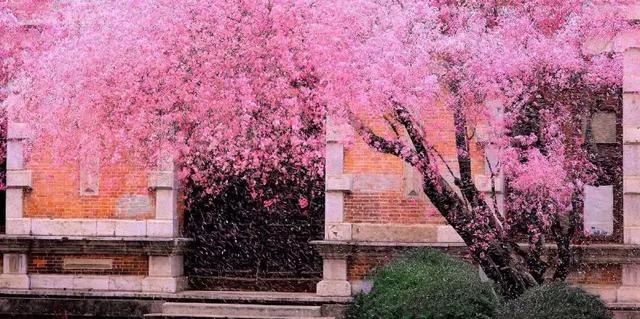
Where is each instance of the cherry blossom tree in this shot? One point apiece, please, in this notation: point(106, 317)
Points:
point(508, 69)
point(237, 88)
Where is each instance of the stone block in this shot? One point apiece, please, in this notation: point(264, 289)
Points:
point(162, 180)
point(105, 227)
point(608, 293)
point(625, 40)
point(133, 206)
point(19, 179)
point(371, 183)
point(633, 12)
point(164, 284)
point(14, 202)
point(334, 164)
point(338, 132)
point(631, 184)
point(446, 234)
point(603, 127)
point(89, 282)
point(125, 283)
point(630, 162)
point(631, 209)
point(631, 76)
point(63, 227)
point(483, 183)
point(162, 228)
point(628, 294)
point(166, 266)
point(131, 228)
point(631, 235)
point(18, 226)
point(15, 155)
point(90, 177)
point(87, 263)
point(598, 209)
point(341, 183)
point(14, 264)
point(631, 109)
point(631, 275)
point(14, 281)
point(336, 288)
point(334, 269)
point(630, 134)
point(340, 231)
point(166, 204)
point(394, 232)
point(334, 207)
point(597, 46)
point(18, 131)
point(51, 281)
point(411, 183)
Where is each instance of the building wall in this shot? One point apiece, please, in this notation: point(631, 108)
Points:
point(121, 190)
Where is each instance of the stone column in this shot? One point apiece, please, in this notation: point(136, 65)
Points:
point(631, 146)
point(18, 180)
point(14, 272)
point(166, 273)
point(165, 223)
point(334, 279)
point(14, 266)
point(630, 289)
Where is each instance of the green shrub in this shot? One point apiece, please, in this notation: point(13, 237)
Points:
point(427, 284)
point(557, 301)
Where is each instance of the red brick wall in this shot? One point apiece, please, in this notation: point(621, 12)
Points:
point(394, 206)
point(361, 264)
point(56, 190)
point(122, 265)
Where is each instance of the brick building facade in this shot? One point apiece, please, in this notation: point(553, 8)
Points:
point(117, 228)
point(375, 208)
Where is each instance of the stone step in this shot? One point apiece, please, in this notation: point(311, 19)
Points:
point(240, 310)
point(186, 316)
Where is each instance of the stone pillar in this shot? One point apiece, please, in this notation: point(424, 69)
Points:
point(18, 180)
point(631, 146)
point(630, 289)
point(334, 280)
point(165, 223)
point(166, 273)
point(14, 272)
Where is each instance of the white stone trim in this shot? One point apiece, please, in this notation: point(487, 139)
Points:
point(164, 284)
point(337, 231)
point(92, 227)
point(631, 184)
point(166, 266)
point(337, 288)
point(446, 234)
point(18, 131)
point(483, 182)
point(162, 180)
point(19, 178)
point(87, 282)
point(342, 183)
point(631, 134)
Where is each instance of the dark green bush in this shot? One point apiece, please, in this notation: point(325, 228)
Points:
point(427, 284)
point(554, 301)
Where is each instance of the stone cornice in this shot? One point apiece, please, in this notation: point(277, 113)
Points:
point(92, 245)
point(583, 253)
